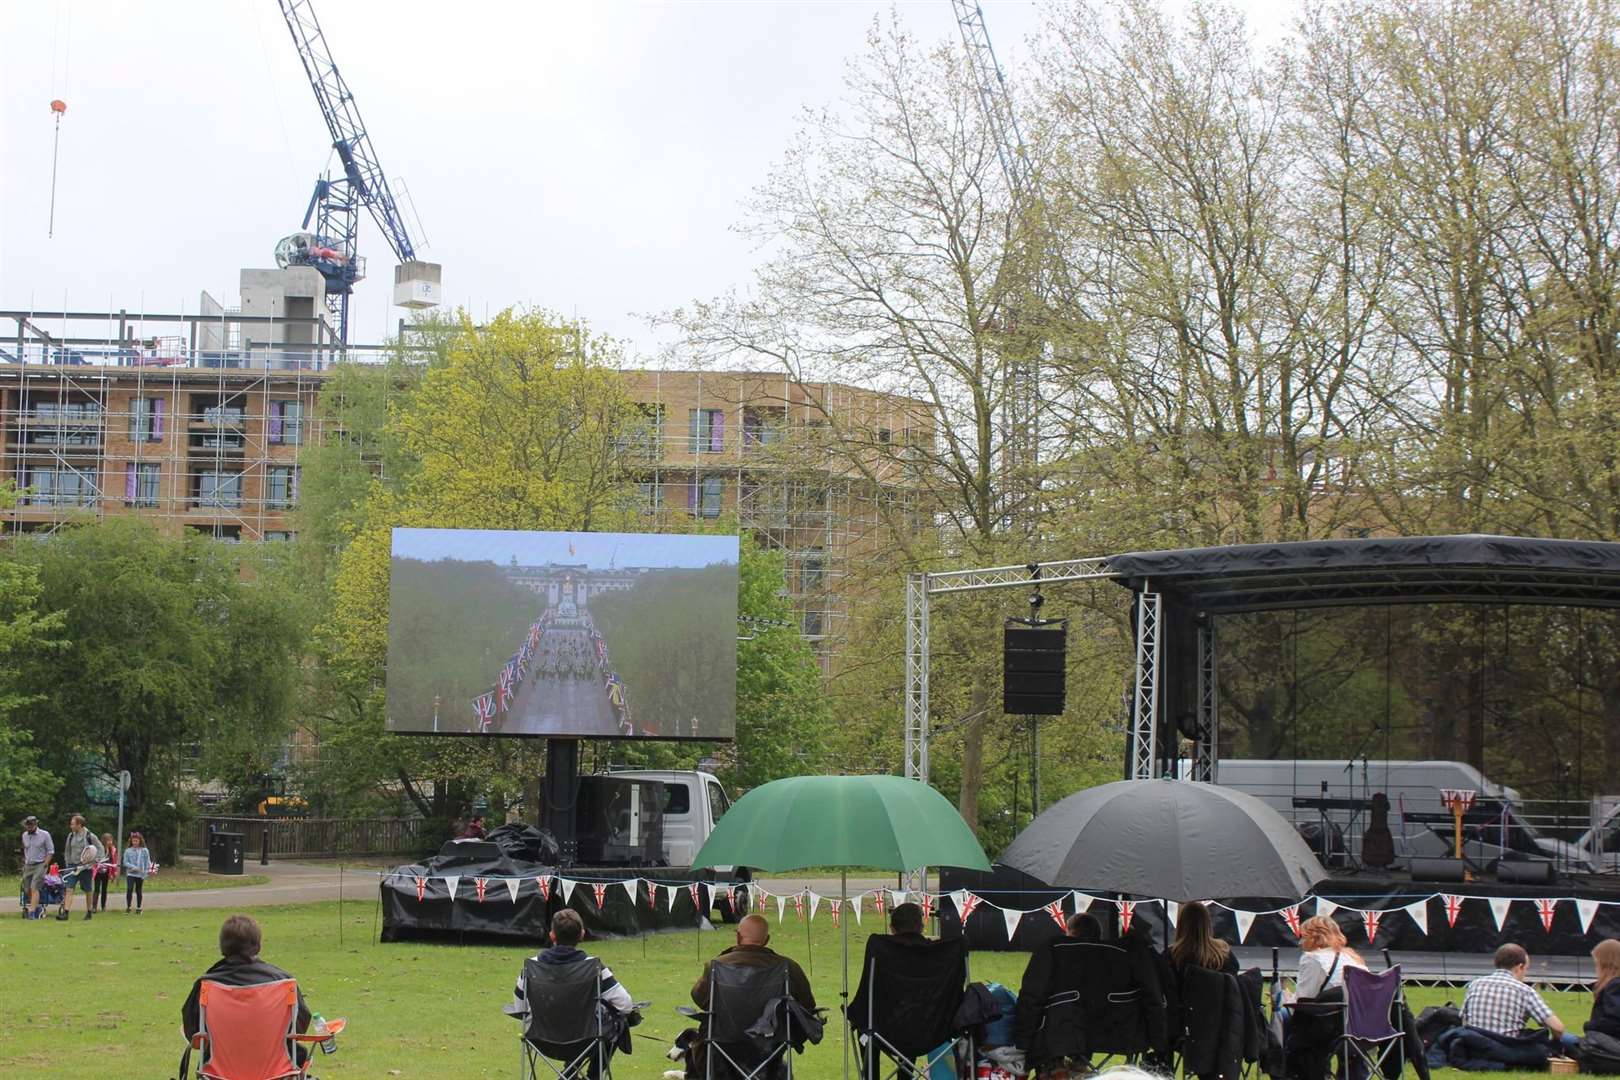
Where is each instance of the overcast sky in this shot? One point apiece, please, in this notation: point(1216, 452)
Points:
point(595, 550)
point(586, 157)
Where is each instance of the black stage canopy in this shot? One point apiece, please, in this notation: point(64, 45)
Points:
point(1399, 570)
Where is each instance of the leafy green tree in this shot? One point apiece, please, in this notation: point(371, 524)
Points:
point(171, 643)
point(28, 634)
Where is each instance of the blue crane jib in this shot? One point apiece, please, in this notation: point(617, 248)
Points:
point(332, 221)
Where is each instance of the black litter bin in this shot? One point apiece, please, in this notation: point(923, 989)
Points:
point(225, 853)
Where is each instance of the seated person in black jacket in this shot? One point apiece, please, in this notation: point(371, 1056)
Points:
point(1081, 996)
point(239, 965)
point(1606, 988)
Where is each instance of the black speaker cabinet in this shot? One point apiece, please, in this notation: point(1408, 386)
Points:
point(1537, 872)
point(1032, 681)
point(1438, 869)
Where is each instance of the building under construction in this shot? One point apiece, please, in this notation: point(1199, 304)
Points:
point(197, 421)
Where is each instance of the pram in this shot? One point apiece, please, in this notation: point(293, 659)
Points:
point(50, 891)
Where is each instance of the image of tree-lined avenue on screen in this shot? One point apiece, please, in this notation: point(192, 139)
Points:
point(609, 635)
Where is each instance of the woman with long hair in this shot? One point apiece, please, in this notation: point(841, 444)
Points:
point(1324, 954)
point(1606, 988)
point(1196, 945)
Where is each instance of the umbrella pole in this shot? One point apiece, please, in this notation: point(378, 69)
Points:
point(843, 894)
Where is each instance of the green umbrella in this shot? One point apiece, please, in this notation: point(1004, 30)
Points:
point(882, 822)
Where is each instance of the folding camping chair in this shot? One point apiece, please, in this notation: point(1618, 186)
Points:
point(742, 1001)
point(566, 1020)
point(905, 1006)
point(1098, 1002)
point(1371, 1002)
point(248, 1033)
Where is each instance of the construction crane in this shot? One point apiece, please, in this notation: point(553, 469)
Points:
point(331, 245)
point(1022, 394)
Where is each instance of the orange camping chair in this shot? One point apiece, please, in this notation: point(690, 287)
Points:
point(248, 1032)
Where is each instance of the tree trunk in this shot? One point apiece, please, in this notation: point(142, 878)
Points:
point(967, 802)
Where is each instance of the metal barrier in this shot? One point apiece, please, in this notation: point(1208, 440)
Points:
point(310, 838)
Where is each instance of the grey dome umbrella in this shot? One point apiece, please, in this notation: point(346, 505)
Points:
point(1166, 839)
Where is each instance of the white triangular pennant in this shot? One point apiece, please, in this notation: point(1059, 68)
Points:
point(1082, 902)
point(1324, 906)
point(567, 885)
point(450, 884)
point(1586, 909)
point(670, 892)
point(855, 906)
point(1420, 915)
point(781, 908)
point(1172, 911)
point(630, 887)
point(512, 884)
point(1499, 909)
point(1245, 919)
point(897, 897)
point(1012, 919)
point(957, 899)
point(815, 901)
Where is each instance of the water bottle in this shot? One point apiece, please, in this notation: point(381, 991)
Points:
point(318, 1026)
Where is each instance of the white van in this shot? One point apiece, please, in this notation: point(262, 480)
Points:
point(1418, 819)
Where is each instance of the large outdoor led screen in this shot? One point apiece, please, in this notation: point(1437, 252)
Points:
point(611, 635)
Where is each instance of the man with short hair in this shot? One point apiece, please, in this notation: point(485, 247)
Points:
point(79, 857)
point(239, 965)
point(1502, 1003)
point(753, 950)
point(906, 924)
point(37, 849)
point(567, 931)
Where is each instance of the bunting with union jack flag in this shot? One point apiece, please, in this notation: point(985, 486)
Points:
point(484, 706)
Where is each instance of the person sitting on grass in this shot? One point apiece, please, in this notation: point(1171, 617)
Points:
point(1502, 1003)
point(1606, 989)
point(239, 965)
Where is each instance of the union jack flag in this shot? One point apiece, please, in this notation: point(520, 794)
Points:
point(969, 902)
point(484, 706)
point(601, 895)
point(1369, 922)
point(421, 889)
point(1055, 909)
point(481, 884)
point(1291, 917)
point(1453, 908)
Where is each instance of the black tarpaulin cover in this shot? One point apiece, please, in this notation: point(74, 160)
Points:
point(471, 887)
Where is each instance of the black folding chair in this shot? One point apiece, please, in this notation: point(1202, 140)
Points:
point(1099, 1000)
point(905, 1007)
point(566, 1021)
point(740, 998)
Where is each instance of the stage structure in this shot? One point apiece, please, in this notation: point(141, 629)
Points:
point(1177, 597)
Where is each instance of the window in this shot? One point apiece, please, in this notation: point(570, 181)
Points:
point(885, 435)
point(141, 482)
point(286, 422)
point(217, 489)
point(281, 486)
point(810, 572)
point(812, 624)
point(277, 536)
point(61, 487)
point(718, 803)
point(762, 424)
point(677, 799)
point(703, 496)
point(146, 419)
point(706, 430)
point(649, 429)
point(652, 495)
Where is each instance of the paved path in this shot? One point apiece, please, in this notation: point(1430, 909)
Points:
point(306, 883)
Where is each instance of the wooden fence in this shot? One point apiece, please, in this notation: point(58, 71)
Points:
point(310, 838)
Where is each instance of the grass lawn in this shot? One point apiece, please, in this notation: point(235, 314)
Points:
point(168, 879)
point(103, 998)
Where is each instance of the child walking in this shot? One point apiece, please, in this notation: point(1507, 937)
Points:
point(137, 864)
point(106, 870)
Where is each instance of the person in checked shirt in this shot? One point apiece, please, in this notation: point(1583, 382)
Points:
point(1502, 1003)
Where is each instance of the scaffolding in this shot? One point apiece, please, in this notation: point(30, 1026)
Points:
point(180, 418)
point(775, 452)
